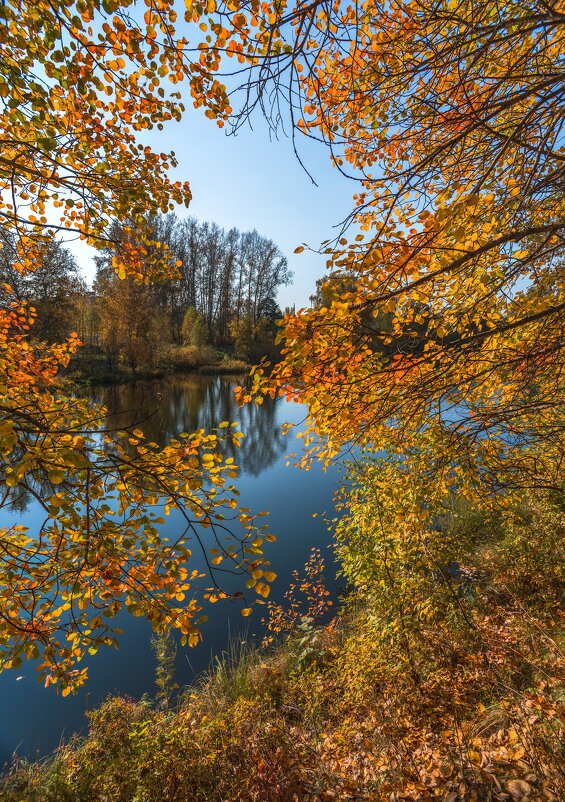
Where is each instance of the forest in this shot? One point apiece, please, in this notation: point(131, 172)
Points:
point(223, 297)
point(430, 363)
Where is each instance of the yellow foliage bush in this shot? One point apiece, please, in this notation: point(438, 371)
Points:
point(191, 357)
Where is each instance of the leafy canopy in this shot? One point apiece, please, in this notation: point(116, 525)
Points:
point(442, 320)
point(79, 82)
point(442, 331)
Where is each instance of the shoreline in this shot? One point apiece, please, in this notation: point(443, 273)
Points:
point(122, 376)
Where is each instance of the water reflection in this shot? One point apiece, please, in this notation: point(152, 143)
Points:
point(164, 408)
point(33, 717)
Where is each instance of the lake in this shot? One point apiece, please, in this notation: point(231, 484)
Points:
point(34, 719)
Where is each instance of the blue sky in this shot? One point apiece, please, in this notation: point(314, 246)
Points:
point(247, 182)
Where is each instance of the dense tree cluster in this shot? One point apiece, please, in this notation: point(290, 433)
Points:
point(223, 294)
point(227, 280)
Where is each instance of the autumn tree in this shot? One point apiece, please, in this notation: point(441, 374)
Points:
point(442, 362)
point(448, 116)
point(132, 325)
point(244, 334)
point(54, 288)
point(78, 83)
point(194, 329)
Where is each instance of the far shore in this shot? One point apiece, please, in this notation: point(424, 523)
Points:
point(234, 367)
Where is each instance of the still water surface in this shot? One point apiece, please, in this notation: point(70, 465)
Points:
point(34, 719)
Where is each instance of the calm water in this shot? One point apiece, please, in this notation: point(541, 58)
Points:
point(34, 719)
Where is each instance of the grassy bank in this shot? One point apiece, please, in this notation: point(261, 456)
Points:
point(450, 690)
point(90, 366)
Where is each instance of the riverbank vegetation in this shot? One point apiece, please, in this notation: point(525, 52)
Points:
point(437, 339)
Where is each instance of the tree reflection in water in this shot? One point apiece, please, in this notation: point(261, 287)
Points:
point(163, 408)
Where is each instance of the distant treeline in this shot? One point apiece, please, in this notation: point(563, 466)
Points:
point(224, 298)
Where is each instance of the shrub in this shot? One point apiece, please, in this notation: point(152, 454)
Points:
point(191, 357)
